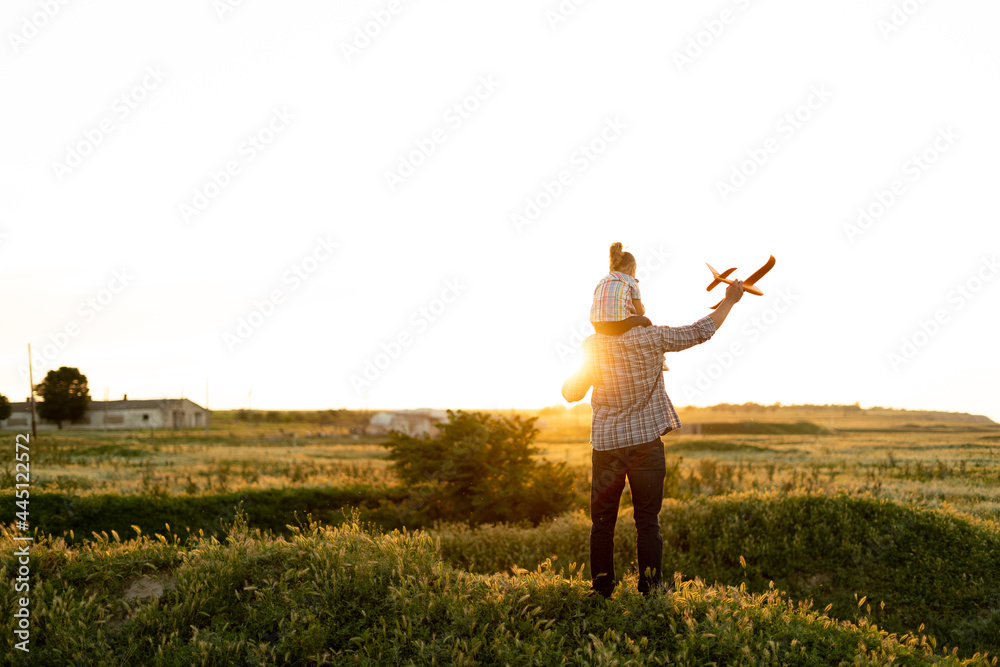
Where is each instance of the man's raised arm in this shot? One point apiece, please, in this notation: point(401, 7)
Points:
point(733, 294)
point(675, 339)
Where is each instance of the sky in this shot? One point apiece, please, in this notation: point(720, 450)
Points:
point(402, 204)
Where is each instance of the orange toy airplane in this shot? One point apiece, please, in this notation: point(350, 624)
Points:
point(748, 284)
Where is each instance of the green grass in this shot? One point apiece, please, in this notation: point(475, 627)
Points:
point(905, 516)
point(78, 518)
point(685, 446)
point(342, 596)
point(110, 450)
point(935, 571)
point(238, 458)
point(930, 568)
point(765, 428)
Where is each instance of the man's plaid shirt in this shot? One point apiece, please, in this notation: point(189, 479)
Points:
point(630, 402)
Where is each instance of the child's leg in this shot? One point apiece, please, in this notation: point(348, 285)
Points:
point(620, 327)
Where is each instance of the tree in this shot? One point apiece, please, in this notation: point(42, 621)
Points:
point(479, 469)
point(4, 407)
point(65, 395)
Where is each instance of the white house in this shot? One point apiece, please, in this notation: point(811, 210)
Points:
point(124, 414)
point(410, 422)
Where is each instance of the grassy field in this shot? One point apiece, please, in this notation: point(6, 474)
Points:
point(933, 463)
point(799, 535)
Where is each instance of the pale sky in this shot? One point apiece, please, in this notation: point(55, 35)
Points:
point(264, 198)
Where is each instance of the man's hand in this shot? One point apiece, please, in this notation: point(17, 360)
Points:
point(733, 294)
point(735, 291)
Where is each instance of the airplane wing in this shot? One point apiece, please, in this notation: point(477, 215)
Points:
point(761, 272)
point(724, 274)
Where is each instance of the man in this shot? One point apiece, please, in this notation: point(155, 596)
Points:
point(631, 410)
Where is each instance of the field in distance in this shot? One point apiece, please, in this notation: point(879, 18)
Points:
point(931, 459)
point(834, 504)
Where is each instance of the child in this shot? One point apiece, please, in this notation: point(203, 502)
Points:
point(617, 303)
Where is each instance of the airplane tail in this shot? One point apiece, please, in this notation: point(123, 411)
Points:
point(724, 274)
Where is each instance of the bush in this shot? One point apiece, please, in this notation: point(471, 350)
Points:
point(479, 469)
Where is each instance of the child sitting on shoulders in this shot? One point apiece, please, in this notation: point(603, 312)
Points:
point(617, 303)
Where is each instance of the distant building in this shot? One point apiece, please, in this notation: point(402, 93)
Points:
point(410, 422)
point(124, 414)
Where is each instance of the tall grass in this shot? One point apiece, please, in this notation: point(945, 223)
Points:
point(344, 595)
point(932, 569)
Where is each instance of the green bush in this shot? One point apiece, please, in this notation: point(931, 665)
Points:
point(479, 469)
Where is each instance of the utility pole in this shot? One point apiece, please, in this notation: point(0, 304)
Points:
point(107, 391)
point(31, 395)
point(207, 411)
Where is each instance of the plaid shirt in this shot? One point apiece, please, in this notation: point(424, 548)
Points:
point(613, 298)
point(630, 401)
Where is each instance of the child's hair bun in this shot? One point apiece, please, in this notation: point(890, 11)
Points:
point(619, 258)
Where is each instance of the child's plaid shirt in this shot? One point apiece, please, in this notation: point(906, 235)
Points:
point(613, 298)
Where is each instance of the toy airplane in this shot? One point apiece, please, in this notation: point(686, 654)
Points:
point(749, 285)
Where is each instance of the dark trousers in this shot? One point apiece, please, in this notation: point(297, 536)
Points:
point(645, 468)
